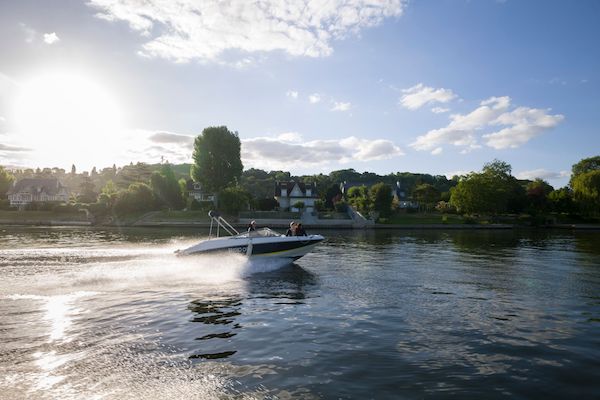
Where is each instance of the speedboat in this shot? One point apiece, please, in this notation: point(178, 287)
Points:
point(261, 243)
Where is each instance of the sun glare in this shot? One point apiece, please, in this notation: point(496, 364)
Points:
point(67, 111)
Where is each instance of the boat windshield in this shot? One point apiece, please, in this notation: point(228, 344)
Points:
point(263, 232)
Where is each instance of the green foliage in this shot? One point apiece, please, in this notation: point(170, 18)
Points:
point(445, 207)
point(6, 181)
point(585, 165)
point(341, 206)
point(537, 194)
point(332, 195)
point(233, 200)
point(217, 162)
point(561, 201)
point(196, 205)
point(298, 205)
point(166, 189)
point(137, 198)
point(266, 204)
point(381, 198)
point(586, 191)
point(133, 173)
point(358, 197)
point(319, 205)
point(427, 195)
point(4, 204)
point(87, 191)
point(492, 191)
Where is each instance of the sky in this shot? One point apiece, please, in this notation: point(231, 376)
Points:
point(438, 87)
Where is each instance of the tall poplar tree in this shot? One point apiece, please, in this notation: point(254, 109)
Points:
point(217, 161)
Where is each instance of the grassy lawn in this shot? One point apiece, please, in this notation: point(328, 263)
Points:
point(41, 216)
point(422, 218)
point(178, 216)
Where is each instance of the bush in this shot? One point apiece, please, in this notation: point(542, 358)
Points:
point(205, 205)
point(268, 204)
point(341, 206)
point(319, 205)
point(4, 204)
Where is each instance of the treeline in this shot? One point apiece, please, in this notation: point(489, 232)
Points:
point(217, 166)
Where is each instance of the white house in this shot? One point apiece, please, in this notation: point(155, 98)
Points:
point(39, 190)
point(289, 193)
point(196, 192)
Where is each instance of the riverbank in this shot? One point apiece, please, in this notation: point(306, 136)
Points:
point(197, 219)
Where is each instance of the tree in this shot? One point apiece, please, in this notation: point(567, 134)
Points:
point(299, 205)
point(108, 194)
point(166, 189)
point(332, 195)
point(73, 169)
point(137, 198)
point(217, 161)
point(493, 190)
point(6, 181)
point(87, 191)
point(381, 198)
point(537, 194)
point(234, 199)
point(586, 191)
point(585, 165)
point(561, 200)
point(426, 194)
point(358, 197)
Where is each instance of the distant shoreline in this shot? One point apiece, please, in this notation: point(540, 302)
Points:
point(284, 224)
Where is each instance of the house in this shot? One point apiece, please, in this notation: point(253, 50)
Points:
point(41, 190)
point(196, 192)
point(288, 193)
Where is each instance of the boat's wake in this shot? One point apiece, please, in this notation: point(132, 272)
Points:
point(118, 268)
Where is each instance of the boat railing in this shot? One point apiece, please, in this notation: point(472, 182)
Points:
point(219, 222)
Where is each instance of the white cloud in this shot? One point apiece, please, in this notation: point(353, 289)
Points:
point(420, 95)
point(542, 174)
point(292, 94)
point(314, 98)
point(187, 30)
point(290, 137)
point(523, 125)
point(281, 152)
point(464, 130)
point(171, 138)
point(341, 106)
point(51, 38)
point(439, 110)
point(437, 151)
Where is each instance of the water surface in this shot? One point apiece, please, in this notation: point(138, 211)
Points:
point(113, 314)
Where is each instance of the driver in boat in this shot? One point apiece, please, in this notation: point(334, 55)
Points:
point(292, 230)
point(252, 229)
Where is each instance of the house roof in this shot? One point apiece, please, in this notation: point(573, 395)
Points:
point(289, 185)
point(50, 186)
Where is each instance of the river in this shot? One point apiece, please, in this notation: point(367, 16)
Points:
point(112, 314)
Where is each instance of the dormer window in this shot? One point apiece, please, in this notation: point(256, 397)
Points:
point(284, 192)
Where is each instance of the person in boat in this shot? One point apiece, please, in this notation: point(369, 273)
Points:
point(252, 228)
point(299, 230)
point(292, 229)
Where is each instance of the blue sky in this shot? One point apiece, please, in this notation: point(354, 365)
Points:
point(384, 86)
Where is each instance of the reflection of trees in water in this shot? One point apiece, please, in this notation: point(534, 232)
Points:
point(289, 283)
point(220, 317)
point(483, 241)
point(588, 242)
